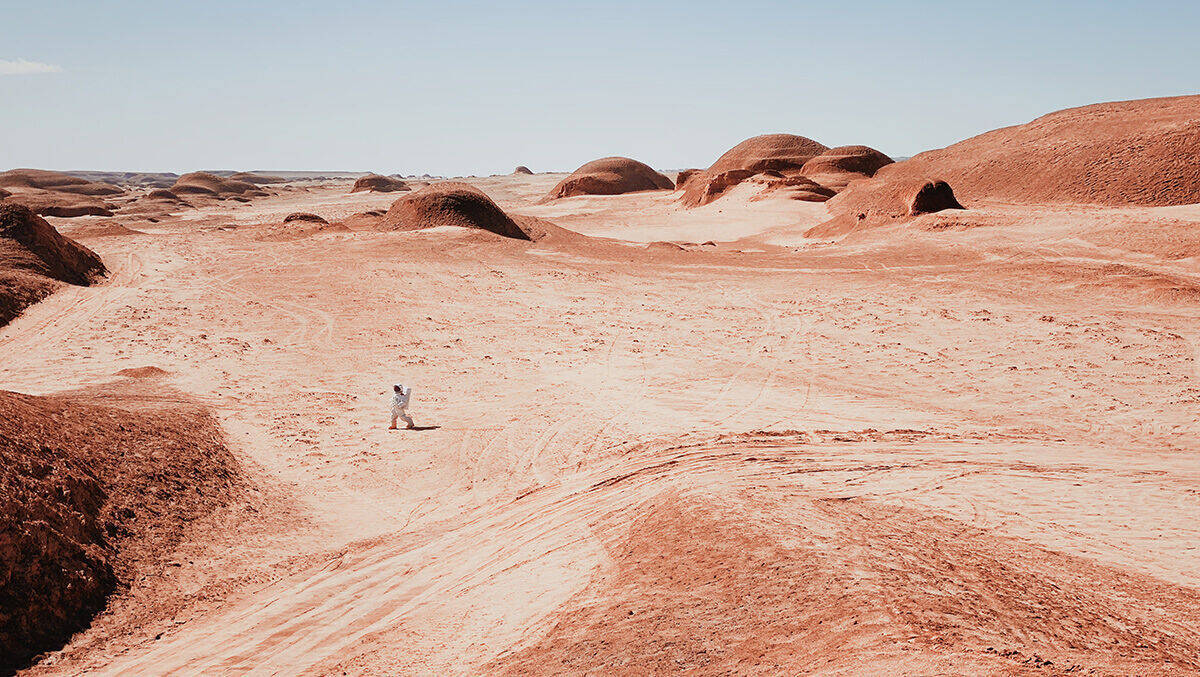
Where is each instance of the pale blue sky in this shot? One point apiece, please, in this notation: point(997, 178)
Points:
point(473, 87)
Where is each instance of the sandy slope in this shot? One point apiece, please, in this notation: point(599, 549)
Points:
point(965, 444)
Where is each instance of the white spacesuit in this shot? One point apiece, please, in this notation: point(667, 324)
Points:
point(400, 396)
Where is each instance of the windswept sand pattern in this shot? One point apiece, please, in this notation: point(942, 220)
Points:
point(963, 445)
point(812, 487)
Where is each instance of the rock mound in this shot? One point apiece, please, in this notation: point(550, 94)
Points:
point(56, 194)
point(101, 229)
point(837, 167)
point(130, 179)
point(35, 259)
point(684, 176)
point(785, 153)
point(256, 179)
point(211, 185)
point(301, 225)
point(368, 220)
point(665, 246)
point(163, 194)
point(55, 181)
point(378, 183)
point(90, 496)
point(156, 204)
point(795, 187)
point(610, 176)
point(148, 371)
point(874, 202)
point(1141, 152)
point(451, 204)
point(63, 205)
point(32, 244)
point(522, 169)
point(304, 216)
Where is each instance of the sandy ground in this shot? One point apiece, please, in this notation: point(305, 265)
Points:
point(967, 444)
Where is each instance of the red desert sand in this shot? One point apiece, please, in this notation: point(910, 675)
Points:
point(953, 442)
point(610, 176)
point(378, 184)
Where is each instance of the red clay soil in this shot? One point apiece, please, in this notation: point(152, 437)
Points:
point(784, 153)
point(697, 586)
point(55, 181)
point(610, 176)
point(35, 259)
point(378, 183)
point(1141, 152)
point(869, 203)
point(451, 204)
point(837, 167)
point(91, 496)
point(522, 169)
point(211, 185)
